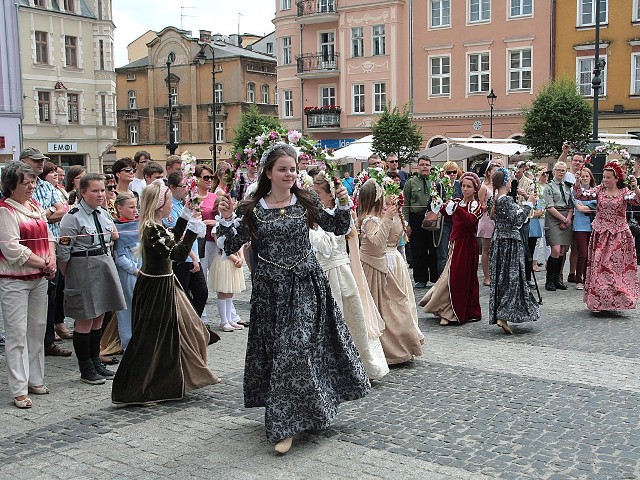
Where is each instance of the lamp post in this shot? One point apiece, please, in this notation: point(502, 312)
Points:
point(202, 58)
point(171, 145)
point(491, 98)
point(596, 81)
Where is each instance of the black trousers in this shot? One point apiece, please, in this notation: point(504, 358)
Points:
point(55, 307)
point(194, 285)
point(423, 252)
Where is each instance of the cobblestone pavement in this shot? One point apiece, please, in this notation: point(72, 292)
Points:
point(559, 399)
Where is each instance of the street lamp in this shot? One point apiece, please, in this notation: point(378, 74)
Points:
point(171, 145)
point(202, 58)
point(596, 81)
point(491, 98)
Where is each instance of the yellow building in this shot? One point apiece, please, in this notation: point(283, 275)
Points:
point(242, 77)
point(619, 102)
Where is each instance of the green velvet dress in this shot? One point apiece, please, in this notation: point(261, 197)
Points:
point(167, 353)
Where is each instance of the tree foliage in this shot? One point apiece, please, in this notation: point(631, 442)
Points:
point(394, 132)
point(558, 114)
point(251, 124)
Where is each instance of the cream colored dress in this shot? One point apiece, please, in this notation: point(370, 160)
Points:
point(390, 288)
point(332, 256)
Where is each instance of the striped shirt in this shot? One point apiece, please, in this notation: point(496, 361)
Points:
point(46, 196)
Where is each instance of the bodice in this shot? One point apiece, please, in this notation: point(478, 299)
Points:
point(611, 212)
point(395, 232)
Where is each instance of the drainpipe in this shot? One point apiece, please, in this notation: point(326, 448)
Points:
point(411, 56)
point(552, 49)
point(301, 87)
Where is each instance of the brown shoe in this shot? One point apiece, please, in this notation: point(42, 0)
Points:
point(55, 351)
point(63, 333)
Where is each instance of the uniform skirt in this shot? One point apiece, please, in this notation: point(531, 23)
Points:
point(554, 234)
point(92, 287)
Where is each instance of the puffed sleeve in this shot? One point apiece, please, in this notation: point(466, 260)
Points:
point(516, 215)
point(580, 193)
point(631, 197)
point(336, 220)
point(68, 234)
point(323, 243)
point(231, 234)
point(159, 240)
point(376, 230)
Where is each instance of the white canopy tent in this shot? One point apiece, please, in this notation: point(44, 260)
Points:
point(630, 142)
point(358, 150)
point(506, 147)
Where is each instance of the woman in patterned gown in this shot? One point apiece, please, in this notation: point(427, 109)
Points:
point(456, 295)
point(510, 298)
point(300, 362)
point(612, 275)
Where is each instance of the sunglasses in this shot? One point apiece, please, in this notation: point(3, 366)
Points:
point(110, 188)
point(128, 170)
point(207, 178)
point(452, 172)
point(392, 161)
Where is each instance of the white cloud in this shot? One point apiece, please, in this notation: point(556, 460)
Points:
point(135, 17)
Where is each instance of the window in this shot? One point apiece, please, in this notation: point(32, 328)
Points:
point(276, 100)
point(440, 13)
point(176, 132)
point(378, 40)
point(584, 74)
point(635, 74)
point(520, 69)
point(636, 11)
point(479, 10)
point(326, 6)
point(70, 5)
point(285, 4)
point(70, 51)
point(103, 109)
point(287, 99)
point(440, 75)
point(42, 47)
point(327, 96)
point(72, 108)
point(132, 100)
point(357, 42)
point(220, 132)
point(587, 12)
point(173, 93)
point(357, 98)
point(131, 77)
point(38, 3)
point(217, 92)
point(478, 72)
point(264, 92)
point(269, 48)
point(521, 8)
point(379, 97)
point(251, 92)
point(99, 9)
point(101, 46)
point(327, 50)
point(133, 134)
point(286, 51)
point(44, 106)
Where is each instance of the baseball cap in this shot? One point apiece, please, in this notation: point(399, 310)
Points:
point(33, 153)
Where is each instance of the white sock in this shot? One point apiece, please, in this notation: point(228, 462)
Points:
point(234, 315)
point(229, 308)
point(222, 310)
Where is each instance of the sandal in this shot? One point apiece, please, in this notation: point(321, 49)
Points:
point(65, 335)
point(109, 360)
point(24, 403)
point(39, 390)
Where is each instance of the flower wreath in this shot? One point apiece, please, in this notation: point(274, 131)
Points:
point(625, 163)
point(506, 174)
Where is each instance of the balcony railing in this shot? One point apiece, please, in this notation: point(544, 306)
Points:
point(317, 63)
point(323, 120)
point(316, 7)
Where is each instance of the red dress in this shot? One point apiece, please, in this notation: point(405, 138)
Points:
point(612, 272)
point(456, 294)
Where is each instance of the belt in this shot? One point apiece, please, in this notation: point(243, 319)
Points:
point(91, 253)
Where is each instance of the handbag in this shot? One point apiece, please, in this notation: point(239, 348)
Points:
point(634, 226)
point(432, 221)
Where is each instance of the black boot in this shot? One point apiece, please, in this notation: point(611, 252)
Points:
point(82, 346)
point(557, 282)
point(551, 271)
point(96, 336)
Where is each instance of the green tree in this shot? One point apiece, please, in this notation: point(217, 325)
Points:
point(394, 132)
point(252, 123)
point(558, 114)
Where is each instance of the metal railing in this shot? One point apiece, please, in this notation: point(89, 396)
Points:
point(315, 7)
point(317, 62)
point(323, 120)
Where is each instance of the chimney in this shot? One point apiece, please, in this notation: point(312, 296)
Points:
point(205, 36)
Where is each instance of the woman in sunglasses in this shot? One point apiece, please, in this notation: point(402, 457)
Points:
point(123, 170)
point(110, 185)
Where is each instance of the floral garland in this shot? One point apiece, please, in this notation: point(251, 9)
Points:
point(189, 179)
point(626, 162)
point(436, 176)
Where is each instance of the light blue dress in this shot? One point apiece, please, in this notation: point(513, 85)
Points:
point(126, 264)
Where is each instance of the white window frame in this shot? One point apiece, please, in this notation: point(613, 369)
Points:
point(251, 92)
point(581, 11)
point(479, 73)
point(635, 73)
point(361, 99)
point(603, 76)
point(276, 98)
point(269, 48)
point(219, 131)
point(285, 4)
point(379, 94)
point(133, 102)
point(173, 92)
point(218, 92)
point(357, 51)
point(483, 16)
point(635, 15)
point(327, 95)
point(378, 40)
point(287, 103)
point(287, 58)
point(439, 76)
point(327, 49)
point(444, 21)
point(132, 133)
point(521, 70)
point(176, 129)
point(265, 93)
point(520, 4)
point(73, 108)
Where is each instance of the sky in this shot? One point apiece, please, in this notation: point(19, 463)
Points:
point(135, 17)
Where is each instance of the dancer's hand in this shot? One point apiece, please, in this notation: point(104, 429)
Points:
point(342, 194)
point(226, 206)
point(533, 198)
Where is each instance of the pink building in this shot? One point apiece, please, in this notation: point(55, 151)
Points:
point(339, 63)
point(464, 49)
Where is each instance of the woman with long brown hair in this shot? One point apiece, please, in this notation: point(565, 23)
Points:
point(301, 362)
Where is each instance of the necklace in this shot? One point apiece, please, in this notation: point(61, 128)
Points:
point(282, 211)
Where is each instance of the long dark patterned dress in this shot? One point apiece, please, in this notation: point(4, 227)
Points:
point(301, 362)
point(511, 298)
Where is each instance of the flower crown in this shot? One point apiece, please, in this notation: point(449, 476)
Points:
point(270, 150)
point(506, 174)
point(616, 168)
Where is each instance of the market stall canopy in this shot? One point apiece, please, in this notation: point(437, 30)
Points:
point(455, 152)
point(630, 142)
point(504, 147)
point(361, 149)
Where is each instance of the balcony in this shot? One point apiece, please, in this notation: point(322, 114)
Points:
point(317, 11)
point(131, 115)
point(317, 65)
point(221, 111)
point(323, 117)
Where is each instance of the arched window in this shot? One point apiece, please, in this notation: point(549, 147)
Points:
point(132, 100)
point(265, 93)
